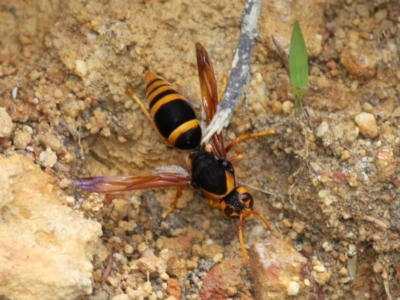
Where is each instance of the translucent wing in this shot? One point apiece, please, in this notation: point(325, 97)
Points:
point(171, 170)
point(209, 93)
point(111, 184)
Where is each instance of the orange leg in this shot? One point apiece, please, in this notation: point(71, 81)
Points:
point(213, 203)
point(241, 240)
point(146, 113)
point(173, 204)
point(236, 158)
point(245, 137)
point(141, 105)
point(242, 216)
point(223, 87)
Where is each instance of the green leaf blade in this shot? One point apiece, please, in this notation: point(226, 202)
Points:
point(298, 62)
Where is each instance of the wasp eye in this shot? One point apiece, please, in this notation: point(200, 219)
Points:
point(247, 199)
point(229, 210)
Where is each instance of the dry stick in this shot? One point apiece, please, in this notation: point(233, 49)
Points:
point(108, 269)
point(240, 73)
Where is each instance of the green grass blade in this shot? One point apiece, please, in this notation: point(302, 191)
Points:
point(298, 64)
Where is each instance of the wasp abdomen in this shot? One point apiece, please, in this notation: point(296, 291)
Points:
point(172, 114)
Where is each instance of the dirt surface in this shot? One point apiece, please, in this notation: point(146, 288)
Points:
point(329, 181)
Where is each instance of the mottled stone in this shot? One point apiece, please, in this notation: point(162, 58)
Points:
point(359, 62)
point(385, 163)
point(46, 248)
point(326, 94)
point(367, 124)
point(278, 270)
point(222, 282)
point(173, 288)
point(21, 139)
point(6, 124)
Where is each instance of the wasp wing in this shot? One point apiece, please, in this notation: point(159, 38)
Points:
point(112, 184)
point(209, 94)
point(171, 170)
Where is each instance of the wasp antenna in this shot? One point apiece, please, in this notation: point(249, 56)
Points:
point(265, 220)
point(264, 191)
point(252, 212)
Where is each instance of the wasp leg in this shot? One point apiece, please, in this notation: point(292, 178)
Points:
point(244, 214)
point(141, 105)
point(223, 87)
point(236, 158)
point(173, 204)
point(244, 137)
point(146, 113)
point(213, 203)
point(241, 240)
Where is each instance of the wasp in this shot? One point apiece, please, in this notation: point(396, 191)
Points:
point(211, 172)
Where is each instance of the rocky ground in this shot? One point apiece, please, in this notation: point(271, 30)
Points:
point(328, 181)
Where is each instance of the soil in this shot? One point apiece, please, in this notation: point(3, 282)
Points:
point(327, 180)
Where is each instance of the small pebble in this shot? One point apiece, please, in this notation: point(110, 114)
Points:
point(327, 246)
point(21, 139)
point(58, 94)
point(141, 247)
point(121, 297)
point(80, 68)
point(343, 272)
point(299, 226)
point(118, 256)
point(69, 200)
point(287, 223)
point(367, 124)
point(164, 276)
point(287, 107)
point(206, 225)
point(258, 77)
point(322, 129)
point(293, 288)
point(49, 140)
point(47, 158)
point(319, 268)
point(128, 249)
point(218, 257)
point(276, 107)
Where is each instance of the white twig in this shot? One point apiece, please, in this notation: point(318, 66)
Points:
point(240, 69)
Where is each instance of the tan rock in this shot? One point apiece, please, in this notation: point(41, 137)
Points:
point(45, 248)
point(278, 270)
point(47, 158)
point(326, 94)
point(173, 288)
point(6, 124)
point(222, 281)
point(385, 163)
point(21, 139)
point(367, 124)
point(360, 62)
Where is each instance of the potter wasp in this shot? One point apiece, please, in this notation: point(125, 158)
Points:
point(211, 172)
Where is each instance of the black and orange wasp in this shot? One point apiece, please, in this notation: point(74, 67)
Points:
point(211, 172)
